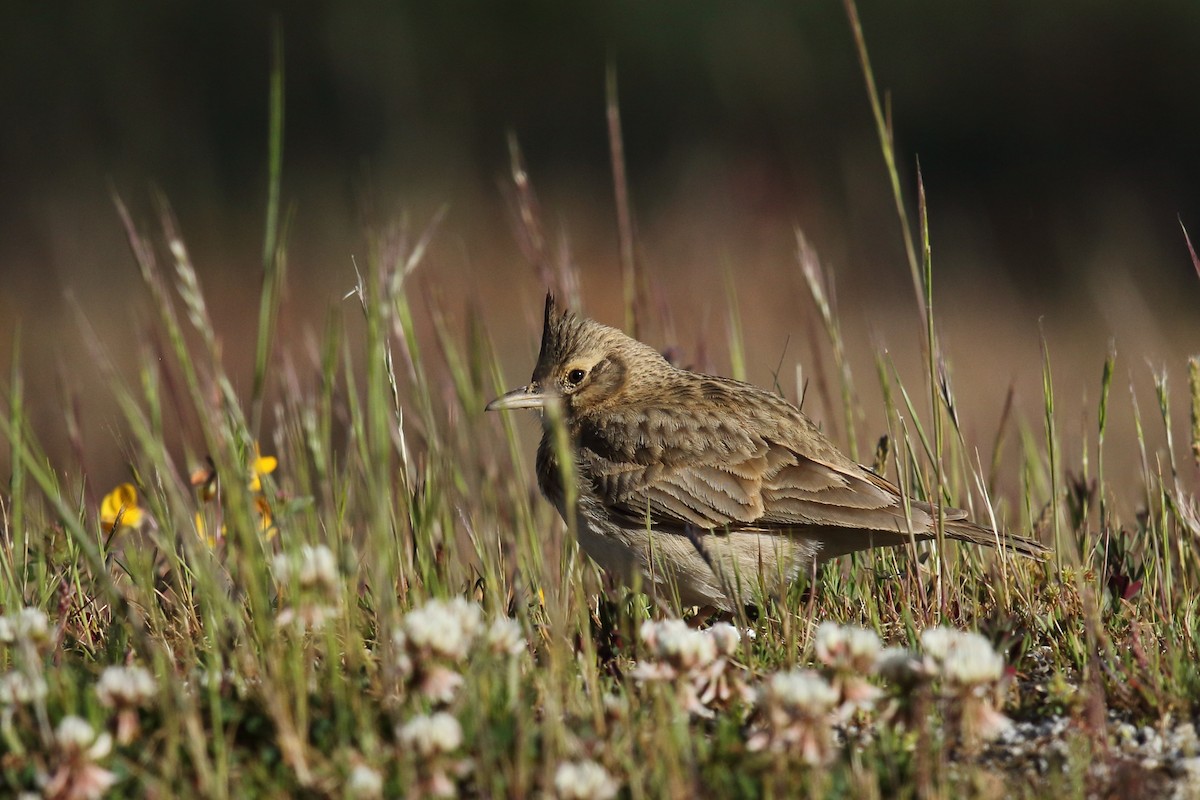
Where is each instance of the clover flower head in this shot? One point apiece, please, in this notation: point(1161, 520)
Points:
point(26, 625)
point(682, 647)
point(446, 628)
point(505, 637)
point(76, 735)
point(318, 567)
point(77, 775)
point(311, 567)
point(799, 690)
point(795, 715)
point(584, 780)
point(17, 688)
point(364, 783)
point(937, 642)
point(432, 734)
point(307, 617)
point(726, 638)
point(899, 665)
point(434, 738)
point(972, 661)
point(696, 661)
point(846, 647)
point(971, 669)
point(127, 687)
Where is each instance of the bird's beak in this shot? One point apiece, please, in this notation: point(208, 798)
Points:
point(529, 396)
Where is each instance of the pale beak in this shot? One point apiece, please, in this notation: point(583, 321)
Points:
point(524, 397)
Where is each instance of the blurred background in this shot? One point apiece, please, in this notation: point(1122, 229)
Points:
point(1058, 145)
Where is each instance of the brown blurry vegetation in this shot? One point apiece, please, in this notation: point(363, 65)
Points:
point(1057, 147)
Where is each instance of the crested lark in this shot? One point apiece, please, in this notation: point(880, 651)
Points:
point(705, 485)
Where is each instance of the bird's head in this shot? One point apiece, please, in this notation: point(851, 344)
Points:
point(584, 365)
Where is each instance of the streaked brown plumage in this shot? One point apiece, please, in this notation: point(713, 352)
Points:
point(706, 486)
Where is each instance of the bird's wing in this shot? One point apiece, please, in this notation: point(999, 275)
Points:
point(748, 482)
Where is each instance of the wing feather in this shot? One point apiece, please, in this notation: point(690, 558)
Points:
point(771, 487)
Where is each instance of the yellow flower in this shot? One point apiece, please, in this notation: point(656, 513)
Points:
point(263, 465)
point(202, 530)
point(265, 523)
point(121, 503)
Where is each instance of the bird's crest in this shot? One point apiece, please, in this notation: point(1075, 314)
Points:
point(561, 333)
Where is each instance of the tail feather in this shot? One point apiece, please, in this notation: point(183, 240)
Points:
point(977, 534)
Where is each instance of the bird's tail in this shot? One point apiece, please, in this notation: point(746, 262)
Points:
point(977, 534)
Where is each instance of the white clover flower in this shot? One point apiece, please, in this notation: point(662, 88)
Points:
point(125, 686)
point(364, 783)
point(311, 567)
point(843, 648)
point(584, 780)
point(936, 642)
point(431, 735)
point(505, 637)
point(125, 689)
point(795, 716)
point(26, 625)
point(685, 648)
point(696, 662)
point(801, 689)
point(848, 655)
point(651, 632)
point(76, 735)
point(318, 567)
point(444, 627)
point(77, 775)
point(828, 641)
point(962, 656)
point(310, 617)
point(440, 684)
point(693, 649)
point(972, 661)
point(862, 645)
point(17, 688)
point(898, 665)
point(968, 663)
point(726, 637)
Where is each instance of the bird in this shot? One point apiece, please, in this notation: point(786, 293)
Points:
point(705, 489)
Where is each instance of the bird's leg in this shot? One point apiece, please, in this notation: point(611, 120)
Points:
point(704, 613)
point(696, 537)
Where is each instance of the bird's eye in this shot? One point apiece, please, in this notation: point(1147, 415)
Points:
point(575, 377)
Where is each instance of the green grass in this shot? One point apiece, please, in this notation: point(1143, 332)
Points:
point(386, 458)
